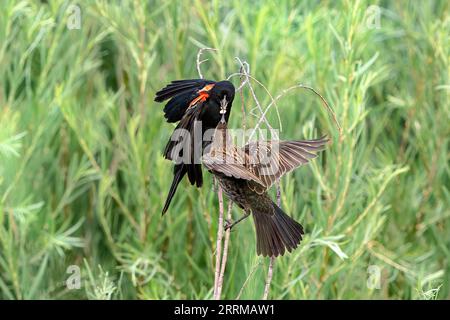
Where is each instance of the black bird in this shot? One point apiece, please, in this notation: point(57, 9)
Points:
point(246, 174)
point(192, 103)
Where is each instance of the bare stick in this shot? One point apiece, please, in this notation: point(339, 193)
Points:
point(269, 278)
point(252, 91)
point(225, 251)
point(218, 245)
point(247, 75)
point(241, 93)
point(199, 54)
point(329, 109)
point(245, 69)
point(252, 271)
point(325, 103)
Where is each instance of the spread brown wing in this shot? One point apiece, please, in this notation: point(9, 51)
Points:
point(229, 163)
point(230, 170)
point(270, 160)
point(225, 159)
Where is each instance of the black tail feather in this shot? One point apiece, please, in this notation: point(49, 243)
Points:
point(179, 172)
point(276, 233)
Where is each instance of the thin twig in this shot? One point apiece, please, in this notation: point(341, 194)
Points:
point(327, 106)
point(199, 54)
point(218, 245)
point(252, 271)
point(252, 91)
point(244, 69)
point(269, 278)
point(325, 103)
point(241, 93)
point(225, 251)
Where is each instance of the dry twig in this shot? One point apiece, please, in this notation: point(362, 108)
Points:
point(225, 251)
point(269, 278)
point(252, 271)
point(199, 54)
point(218, 246)
point(245, 68)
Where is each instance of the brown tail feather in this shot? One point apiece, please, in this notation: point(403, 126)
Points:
point(276, 233)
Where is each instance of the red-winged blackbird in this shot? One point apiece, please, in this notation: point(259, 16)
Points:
point(192, 102)
point(246, 174)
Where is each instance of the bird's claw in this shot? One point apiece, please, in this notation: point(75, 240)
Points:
point(228, 224)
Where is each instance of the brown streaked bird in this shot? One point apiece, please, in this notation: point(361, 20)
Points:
point(191, 102)
point(245, 174)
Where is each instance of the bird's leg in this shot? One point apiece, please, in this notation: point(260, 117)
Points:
point(229, 224)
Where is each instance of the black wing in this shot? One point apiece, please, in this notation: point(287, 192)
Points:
point(181, 93)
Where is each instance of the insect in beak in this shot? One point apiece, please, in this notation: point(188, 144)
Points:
point(223, 105)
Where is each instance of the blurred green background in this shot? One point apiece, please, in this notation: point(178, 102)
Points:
point(82, 177)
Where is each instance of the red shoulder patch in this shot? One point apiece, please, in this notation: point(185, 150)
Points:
point(202, 94)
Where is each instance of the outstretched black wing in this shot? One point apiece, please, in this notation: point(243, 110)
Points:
point(181, 94)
